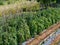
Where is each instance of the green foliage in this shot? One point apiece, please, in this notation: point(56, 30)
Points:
point(18, 28)
point(1, 3)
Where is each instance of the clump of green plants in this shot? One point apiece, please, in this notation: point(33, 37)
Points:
point(15, 29)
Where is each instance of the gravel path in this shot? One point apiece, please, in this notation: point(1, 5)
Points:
point(51, 38)
point(56, 41)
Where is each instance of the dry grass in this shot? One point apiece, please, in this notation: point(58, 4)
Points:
point(17, 7)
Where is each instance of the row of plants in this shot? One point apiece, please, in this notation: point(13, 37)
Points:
point(19, 7)
point(6, 2)
point(15, 29)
